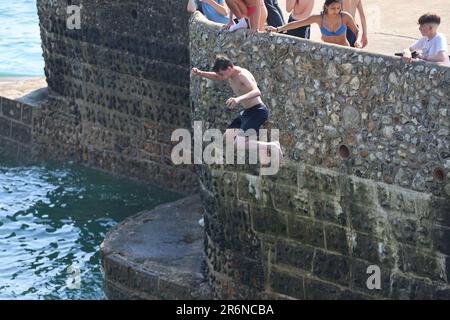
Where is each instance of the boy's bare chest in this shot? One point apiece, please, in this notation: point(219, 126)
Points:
point(238, 87)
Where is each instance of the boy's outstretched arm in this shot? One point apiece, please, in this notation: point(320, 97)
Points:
point(206, 74)
point(362, 15)
point(295, 24)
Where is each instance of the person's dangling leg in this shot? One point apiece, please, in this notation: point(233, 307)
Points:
point(262, 148)
point(263, 17)
point(253, 13)
point(239, 9)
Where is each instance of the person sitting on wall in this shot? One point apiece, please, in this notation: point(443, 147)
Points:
point(274, 14)
point(433, 44)
point(333, 24)
point(248, 95)
point(351, 6)
point(213, 10)
point(299, 10)
point(254, 10)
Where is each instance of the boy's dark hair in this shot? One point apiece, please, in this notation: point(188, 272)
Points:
point(429, 18)
point(222, 63)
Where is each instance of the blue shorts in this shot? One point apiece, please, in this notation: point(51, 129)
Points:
point(251, 118)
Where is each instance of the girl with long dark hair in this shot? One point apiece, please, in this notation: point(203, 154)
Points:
point(333, 23)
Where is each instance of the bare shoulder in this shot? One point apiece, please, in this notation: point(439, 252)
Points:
point(347, 16)
point(245, 74)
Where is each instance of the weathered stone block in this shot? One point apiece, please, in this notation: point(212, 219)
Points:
point(327, 209)
point(306, 231)
point(362, 192)
point(441, 239)
point(352, 295)
point(266, 220)
point(294, 255)
point(254, 189)
point(407, 288)
point(336, 239)
point(248, 272)
point(5, 127)
point(9, 147)
point(287, 284)
point(422, 264)
point(27, 114)
point(287, 175)
point(332, 267)
point(318, 290)
point(442, 294)
point(318, 181)
point(11, 109)
point(372, 249)
point(238, 232)
point(362, 218)
point(405, 230)
point(440, 208)
point(21, 133)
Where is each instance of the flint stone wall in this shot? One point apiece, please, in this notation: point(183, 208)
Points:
point(118, 87)
point(366, 179)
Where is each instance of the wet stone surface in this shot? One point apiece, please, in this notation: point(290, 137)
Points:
point(157, 254)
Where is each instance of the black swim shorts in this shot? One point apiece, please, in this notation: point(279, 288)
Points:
point(251, 118)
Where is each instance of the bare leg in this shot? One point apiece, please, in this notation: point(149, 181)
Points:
point(254, 18)
point(229, 137)
point(263, 17)
point(237, 7)
point(261, 147)
point(230, 134)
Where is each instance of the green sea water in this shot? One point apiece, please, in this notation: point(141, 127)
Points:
point(20, 41)
point(53, 218)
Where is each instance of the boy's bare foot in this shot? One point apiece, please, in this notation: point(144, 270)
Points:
point(280, 151)
point(266, 153)
point(264, 158)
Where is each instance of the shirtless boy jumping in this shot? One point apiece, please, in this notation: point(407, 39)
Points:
point(255, 113)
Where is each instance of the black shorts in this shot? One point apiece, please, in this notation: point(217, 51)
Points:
point(302, 32)
point(251, 118)
point(351, 37)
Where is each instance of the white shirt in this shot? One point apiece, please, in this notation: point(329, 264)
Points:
point(433, 46)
